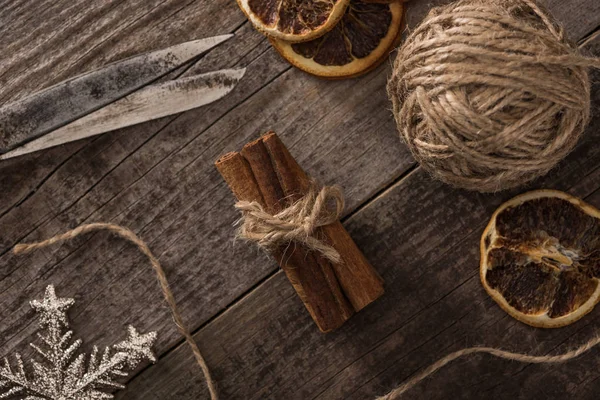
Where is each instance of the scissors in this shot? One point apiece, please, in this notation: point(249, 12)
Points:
point(120, 94)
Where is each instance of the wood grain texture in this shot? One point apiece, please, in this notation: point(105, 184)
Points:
point(263, 347)
point(157, 178)
point(436, 306)
point(579, 17)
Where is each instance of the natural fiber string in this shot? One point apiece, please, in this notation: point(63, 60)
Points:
point(160, 273)
point(524, 358)
point(297, 223)
point(488, 94)
point(168, 294)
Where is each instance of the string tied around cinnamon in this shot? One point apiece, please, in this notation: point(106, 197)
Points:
point(297, 223)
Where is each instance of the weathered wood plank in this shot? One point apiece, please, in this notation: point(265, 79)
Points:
point(42, 48)
point(43, 42)
point(579, 17)
point(158, 178)
point(71, 39)
point(427, 248)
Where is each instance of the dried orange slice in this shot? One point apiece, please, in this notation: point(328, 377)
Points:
point(540, 258)
point(294, 20)
point(361, 40)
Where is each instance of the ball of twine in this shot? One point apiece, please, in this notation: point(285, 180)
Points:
point(488, 94)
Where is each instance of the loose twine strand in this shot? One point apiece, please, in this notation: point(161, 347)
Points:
point(297, 223)
point(160, 273)
point(524, 358)
point(168, 294)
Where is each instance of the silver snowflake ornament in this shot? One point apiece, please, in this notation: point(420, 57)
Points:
point(62, 374)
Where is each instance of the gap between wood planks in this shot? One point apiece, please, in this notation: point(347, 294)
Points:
point(181, 71)
point(396, 181)
point(86, 240)
point(589, 38)
point(585, 41)
point(271, 275)
point(381, 192)
point(177, 73)
point(158, 161)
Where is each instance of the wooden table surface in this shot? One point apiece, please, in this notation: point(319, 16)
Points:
point(158, 179)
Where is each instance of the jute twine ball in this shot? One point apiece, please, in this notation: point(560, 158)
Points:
point(488, 94)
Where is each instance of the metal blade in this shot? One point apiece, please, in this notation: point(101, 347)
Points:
point(152, 102)
point(56, 106)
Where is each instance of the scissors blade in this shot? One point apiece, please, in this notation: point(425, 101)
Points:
point(154, 101)
point(56, 106)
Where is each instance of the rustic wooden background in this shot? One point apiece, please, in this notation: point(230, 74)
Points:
point(158, 179)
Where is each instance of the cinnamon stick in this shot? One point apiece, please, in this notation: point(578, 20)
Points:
point(239, 177)
point(252, 177)
point(265, 172)
point(360, 282)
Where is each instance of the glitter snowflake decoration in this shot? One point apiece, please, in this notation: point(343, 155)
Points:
point(64, 375)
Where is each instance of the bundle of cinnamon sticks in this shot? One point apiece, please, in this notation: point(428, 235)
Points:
point(265, 172)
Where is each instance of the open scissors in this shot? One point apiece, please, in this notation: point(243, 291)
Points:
point(120, 94)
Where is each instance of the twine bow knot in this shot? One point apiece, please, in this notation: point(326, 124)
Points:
point(297, 223)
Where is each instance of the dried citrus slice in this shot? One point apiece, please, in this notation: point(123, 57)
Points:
point(294, 20)
point(540, 258)
point(358, 43)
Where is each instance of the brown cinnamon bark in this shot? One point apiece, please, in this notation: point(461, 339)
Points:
point(252, 177)
point(239, 177)
point(264, 171)
point(360, 282)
